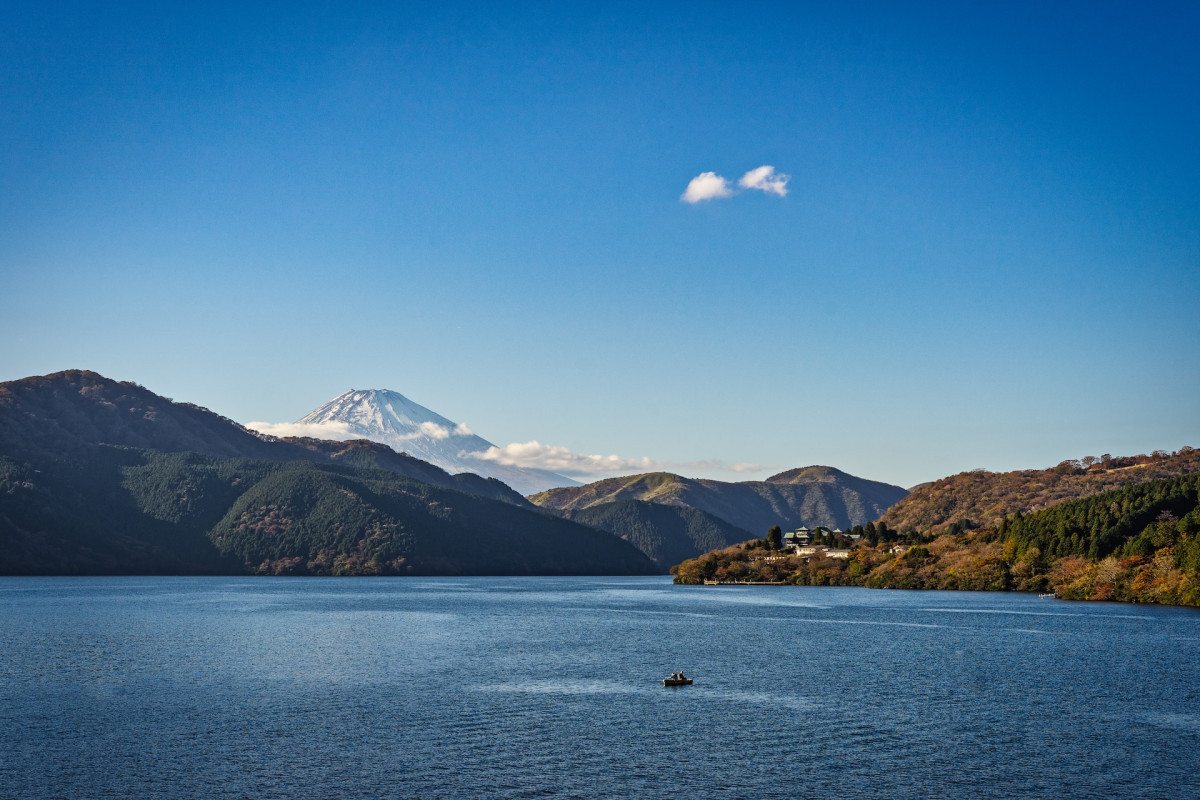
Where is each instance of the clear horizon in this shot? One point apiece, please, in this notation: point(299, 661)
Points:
point(902, 242)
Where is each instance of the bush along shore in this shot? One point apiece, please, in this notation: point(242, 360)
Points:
point(1139, 544)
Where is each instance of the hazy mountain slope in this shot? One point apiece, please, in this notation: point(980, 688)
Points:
point(810, 496)
point(390, 418)
point(985, 498)
point(666, 533)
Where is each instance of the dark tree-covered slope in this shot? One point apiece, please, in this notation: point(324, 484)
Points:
point(101, 477)
point(668, 534)
point(365, 453)
point(114, 511)
point(139, 511)
point(301, 515)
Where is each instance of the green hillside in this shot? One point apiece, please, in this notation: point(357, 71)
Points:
point(373, 455)
point(133, 512)
point(667, 534)
point(101, 477)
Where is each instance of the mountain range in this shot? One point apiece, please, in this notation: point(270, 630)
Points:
point(68, 436)
point(807, 496)
point(100, 476)
point(670, 517)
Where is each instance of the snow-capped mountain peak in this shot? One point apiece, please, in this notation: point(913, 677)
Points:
point(391, 418)
point(381, 411)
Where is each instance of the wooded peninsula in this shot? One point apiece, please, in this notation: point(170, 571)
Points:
point(1140, 543)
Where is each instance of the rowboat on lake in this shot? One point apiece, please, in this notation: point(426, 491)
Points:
point(677, 679)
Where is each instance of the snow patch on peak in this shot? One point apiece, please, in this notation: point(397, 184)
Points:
point(390, 418)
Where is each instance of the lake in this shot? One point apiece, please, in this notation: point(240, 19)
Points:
point(550, 687)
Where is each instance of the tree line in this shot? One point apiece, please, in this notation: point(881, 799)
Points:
point(1140, 543)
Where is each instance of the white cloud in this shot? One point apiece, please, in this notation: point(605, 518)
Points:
point(533, 454)
point(536, 455)
point(559, 459)
point(337, 431)
point(710, 185)
point(765, 179)
point(439, 432)
point(432, 430)
point(340, 431)
point(706, 186)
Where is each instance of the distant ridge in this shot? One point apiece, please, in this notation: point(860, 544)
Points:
point(808, 496)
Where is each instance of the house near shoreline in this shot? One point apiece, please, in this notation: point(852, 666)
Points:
point(803, 537)
point(805, 552)
point(828, 552)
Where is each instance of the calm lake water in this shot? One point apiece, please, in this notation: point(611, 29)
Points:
point(549, 687)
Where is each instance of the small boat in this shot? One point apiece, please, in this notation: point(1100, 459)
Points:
point(677, 679)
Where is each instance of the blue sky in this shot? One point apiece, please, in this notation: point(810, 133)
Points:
point(988, 254)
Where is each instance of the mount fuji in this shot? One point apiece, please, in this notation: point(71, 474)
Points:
point(391, 418)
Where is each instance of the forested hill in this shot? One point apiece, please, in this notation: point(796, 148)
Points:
point(71, 412)
point(123, 511)
point(1136, 544)
point(809, 496)
point(667, 534)
point(100, 477)
point(373, 455)
point(983, 499)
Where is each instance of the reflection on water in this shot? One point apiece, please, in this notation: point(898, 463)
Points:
point(1055, 613)
point(378, 688)
point(564, 685)
point(1184, 722)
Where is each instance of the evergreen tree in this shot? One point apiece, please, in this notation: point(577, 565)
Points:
point(775, 538)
